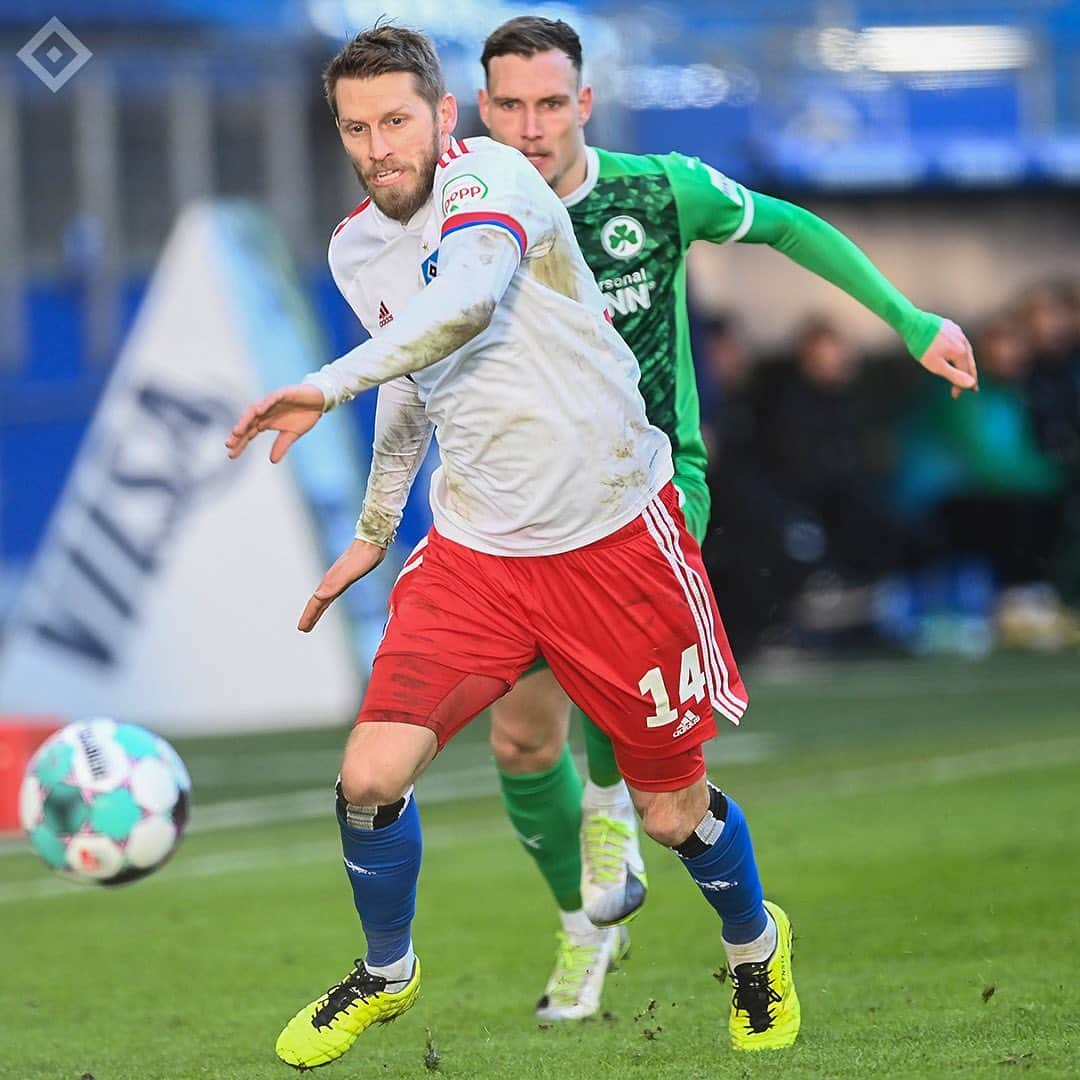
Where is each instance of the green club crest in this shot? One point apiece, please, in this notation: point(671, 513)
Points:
point(622, 237)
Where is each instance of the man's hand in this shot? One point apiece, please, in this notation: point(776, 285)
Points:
point(360, 558)
point(950, 356)
point(291, 411)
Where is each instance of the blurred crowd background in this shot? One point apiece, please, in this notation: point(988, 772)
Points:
point(855, 505)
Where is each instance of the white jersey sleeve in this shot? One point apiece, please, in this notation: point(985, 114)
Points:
point(438, 320)
point(402, 436)
point(491, 191)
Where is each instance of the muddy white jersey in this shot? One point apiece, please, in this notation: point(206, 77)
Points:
point(483, 311)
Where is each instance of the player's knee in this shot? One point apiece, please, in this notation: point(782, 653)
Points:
point(363, 786)
point(519, 753)
point(668, 821)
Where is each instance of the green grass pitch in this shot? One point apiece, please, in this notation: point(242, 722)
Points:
point(919, 821)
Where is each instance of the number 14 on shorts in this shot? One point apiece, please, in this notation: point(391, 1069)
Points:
point(691, 686)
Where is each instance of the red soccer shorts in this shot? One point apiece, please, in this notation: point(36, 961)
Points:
point(628, 625)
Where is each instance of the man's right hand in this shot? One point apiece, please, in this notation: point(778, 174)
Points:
point(291, 411)
point(360, 558)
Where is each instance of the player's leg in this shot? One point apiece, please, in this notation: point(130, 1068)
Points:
point(542, 795)
point(584, 841)
point(380, 838)
point(541, 787)
point(642, 595)
point(381, 847)
point(708, 831)
point(600, 760)
point(613, 880)
point(451, 647)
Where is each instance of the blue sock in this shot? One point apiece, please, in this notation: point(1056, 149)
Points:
point(382, 848)
point(720, 858)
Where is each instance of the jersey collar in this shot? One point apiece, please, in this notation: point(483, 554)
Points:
point(592, 174)
point(390, 228)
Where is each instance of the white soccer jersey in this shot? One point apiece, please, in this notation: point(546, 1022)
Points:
point(484, 301)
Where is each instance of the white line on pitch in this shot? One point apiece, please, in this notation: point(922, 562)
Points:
point(447, 782)
point(305, 805)
point(222, 863)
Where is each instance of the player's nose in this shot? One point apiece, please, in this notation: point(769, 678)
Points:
point(532, 129)
point(378, 147)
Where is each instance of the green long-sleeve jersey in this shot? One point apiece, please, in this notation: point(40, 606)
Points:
point(635, 217)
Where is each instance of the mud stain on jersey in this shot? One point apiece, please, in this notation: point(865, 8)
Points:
point(439, 342)
point(458, 496)
point(377, 526)
point(402, 435)
point(618, 486)
point(556, 270)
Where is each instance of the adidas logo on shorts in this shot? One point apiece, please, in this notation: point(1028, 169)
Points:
point(690, 718)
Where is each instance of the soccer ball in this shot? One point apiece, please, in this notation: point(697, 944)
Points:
point(105, 803)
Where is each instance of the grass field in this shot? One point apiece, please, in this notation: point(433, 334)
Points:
point(919, 821)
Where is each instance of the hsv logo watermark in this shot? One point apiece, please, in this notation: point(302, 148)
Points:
point(54, 54)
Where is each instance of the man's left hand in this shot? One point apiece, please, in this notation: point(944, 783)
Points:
point(950, 357)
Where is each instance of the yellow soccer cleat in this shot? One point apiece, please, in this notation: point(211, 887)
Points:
point(325, 1029)
point(765, 1011)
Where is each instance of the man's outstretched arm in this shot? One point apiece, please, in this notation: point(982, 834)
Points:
point(475, 269)
point(938, 344)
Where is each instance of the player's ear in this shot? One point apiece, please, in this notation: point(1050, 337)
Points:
point(447, 115)
point(585, 102)
point(483, 103)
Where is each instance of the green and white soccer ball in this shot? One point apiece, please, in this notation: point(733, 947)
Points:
point(103, 802)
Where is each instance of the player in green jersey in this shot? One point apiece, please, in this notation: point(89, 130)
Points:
point(635, 217)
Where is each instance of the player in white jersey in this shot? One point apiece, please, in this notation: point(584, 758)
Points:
point(557, 528)
point(547, 369)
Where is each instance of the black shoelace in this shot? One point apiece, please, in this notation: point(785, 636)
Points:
point(358, 985)
point(754, 995)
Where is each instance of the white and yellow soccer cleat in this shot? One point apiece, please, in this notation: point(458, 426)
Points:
point(613, 881)
point(573, 991)
point(325, 1029)
point(765, 1012)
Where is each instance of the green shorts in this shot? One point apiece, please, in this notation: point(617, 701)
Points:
point(695, 505)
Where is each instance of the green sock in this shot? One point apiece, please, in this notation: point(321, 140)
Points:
point(545, 810)
point(600, 755)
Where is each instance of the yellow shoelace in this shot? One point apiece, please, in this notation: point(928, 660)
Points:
point(572, 965)
point(605, 841)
